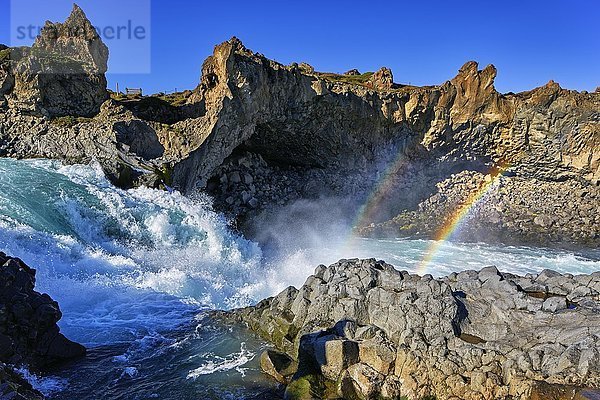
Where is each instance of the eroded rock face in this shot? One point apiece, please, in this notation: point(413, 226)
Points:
point(264, 104)
point(63, 72)
point(374, 331)
point(275, 110)
point(308, 126)
point(513, 210)
point(382, 79)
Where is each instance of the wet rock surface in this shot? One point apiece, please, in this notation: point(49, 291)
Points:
point(29, 334)
point(14, 387)
point(361, 329)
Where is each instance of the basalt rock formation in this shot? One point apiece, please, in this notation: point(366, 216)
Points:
point(361, 329)
point(61, 74)
point(513, 210)
point(28, 331)
point(548, 133)
point(309, 134)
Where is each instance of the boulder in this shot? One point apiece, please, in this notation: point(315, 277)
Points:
point(382, 79)
point(352, 72)
point(306, 68)
point(361, 382)
point(278, 365)
point(554, 303)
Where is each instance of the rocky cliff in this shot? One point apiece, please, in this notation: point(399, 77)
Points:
point(515, 210)
point(297, 117)
point(257, 134)
point(29, 335)
point(61, 74)
point(361, 329)
point(292, 133)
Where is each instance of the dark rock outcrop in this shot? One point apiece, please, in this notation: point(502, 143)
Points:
point(14, 387)
point(362, 329)
point(28, 330)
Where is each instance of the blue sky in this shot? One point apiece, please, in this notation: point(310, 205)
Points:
point(423, 42)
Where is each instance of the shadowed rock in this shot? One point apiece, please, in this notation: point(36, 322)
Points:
point(29, 334)
point(28, 330)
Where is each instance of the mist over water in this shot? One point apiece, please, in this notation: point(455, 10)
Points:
point(135, 270)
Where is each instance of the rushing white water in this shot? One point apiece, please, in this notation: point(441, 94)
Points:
point(121, 258)
point(133, 270)
point(46, 385)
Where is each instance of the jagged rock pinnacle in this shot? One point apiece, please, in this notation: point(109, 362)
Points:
point(64, 75)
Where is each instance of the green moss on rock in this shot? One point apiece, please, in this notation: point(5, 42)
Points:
point(5, 54)
point(165, 173)
point(361, 79)
point(68, 121)
point(307, 387)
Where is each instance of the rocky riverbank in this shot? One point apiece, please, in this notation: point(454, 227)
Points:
point(361, 329)
point(508, 209)
point(258, 135)
point(29, 335)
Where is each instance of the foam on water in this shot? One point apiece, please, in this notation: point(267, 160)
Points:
point(124, 259)
point(46, 385)
point(219, 364)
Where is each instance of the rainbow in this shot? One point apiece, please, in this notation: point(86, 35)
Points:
point(456, 220)
point(450, 226)
point(377, 196)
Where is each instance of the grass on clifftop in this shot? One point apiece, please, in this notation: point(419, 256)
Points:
point(175, 99)
point(68, 121)
point(361, 79)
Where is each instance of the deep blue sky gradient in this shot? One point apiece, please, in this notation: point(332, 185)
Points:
point(423, 42)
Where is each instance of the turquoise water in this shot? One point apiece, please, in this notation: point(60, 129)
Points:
point(134, 271)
